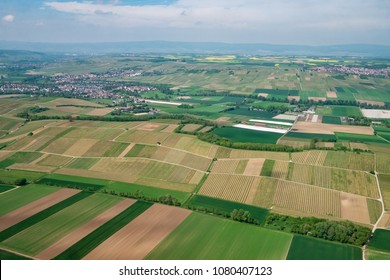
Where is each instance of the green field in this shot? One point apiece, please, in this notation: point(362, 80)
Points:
point(247, 136)
point(41, 235)
point(307, 248)
point(268, 166)
point(211, 238)
point(220, 206)
point(339, 111)
point(299, 135)
point(24, 195)
point(88, 243)
point(384, 182)
point(358, 138)
point(4, 255)
point(82, 163)
point(380, 240)
point(331, 120)
point(377, 255)
point(20, 157)
point(4, 188)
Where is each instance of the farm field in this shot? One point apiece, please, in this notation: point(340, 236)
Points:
point(41, 235)
point(213, 238)
point(377, 255)
point(380, 241)
point(307, 248)
point(244, 135)
point(384, 182)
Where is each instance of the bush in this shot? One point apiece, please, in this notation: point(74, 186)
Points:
point(21, 182)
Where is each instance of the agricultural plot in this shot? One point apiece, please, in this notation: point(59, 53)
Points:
point(41, 235)
point(87, 228)
point(247, 136)
point(19, 197)
point(143, 137)
point(295, 142)
point(10, 176)
point(105, 149)
point(94, 133)
point(5, 255)
point(377, 255)
point(149, 126)
point(84, 246)
point(54, 160)
point(307, 248)
point(339, 111)
point(229, 187)
point(364, 162)
point(359, 138)
point(191, 127)
point(82, 163)
point(354, 208)
point(232, 166)
point(307, 199)
point(385, 221)
point(140, 237)
point(323, 128)
point(331, 120)
point(203, 237)
point(265, 193)
point(310, 157)
point(190, 144)
point(34, 207)
point(31, 167)
point(374, 209)
point(380, 240)
point(383, 162)
point(268, 166)
point(384, 182)
point(356, 182)
point(280, 169)
point(19, 157)
point(80, 147)
point(5, 188)
point(245, 154)
point(60, 146)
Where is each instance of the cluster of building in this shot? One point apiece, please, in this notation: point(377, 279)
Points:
point(17, 88)
point(380, 72)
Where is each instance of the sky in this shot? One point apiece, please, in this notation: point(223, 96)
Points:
point(303, 22)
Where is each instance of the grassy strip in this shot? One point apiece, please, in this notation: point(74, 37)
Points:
point(9, 232)
point(59, 135)
point(70, 184)
point(225, 208)
point(5, 255)
point(268, 166)
point(91, 241)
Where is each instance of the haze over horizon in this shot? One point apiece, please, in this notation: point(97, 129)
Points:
point(303, 22)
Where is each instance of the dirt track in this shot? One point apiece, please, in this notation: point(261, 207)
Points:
point(138, 238)
point(32, 208)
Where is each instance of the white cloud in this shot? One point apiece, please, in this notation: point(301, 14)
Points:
point(8, 18)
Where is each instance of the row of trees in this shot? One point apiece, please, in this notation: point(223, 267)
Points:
point(340, 231)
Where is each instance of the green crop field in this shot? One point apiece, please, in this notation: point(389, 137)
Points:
point(268, 166)
point(307, 248)
point(377, 255)
point(339, 111)
point(384, 182)
point(5, 255)
point(247, 136)
point(4, 188)
point(208, 238)
point(358, 138)
point(20, 157)
point(82, 163)
point(41, 235)
point(331, 120)
point(220, 206)
point(21, 196)
point(98, 236)
point(380, 240)
point(299, 135)
point(10, 176)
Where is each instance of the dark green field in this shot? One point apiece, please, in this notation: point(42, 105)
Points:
point(247, 136)
point(380, 240)
point(268, 166)
point(220, 206)
point(358, 138)
point(307, 248)
point(5, 255)
point(331, 120)
point(4, 188)
point(19, 157)
point(324, 137)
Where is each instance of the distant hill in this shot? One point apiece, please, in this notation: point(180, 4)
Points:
point(360, 50)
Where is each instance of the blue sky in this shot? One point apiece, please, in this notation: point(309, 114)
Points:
point(313, 22)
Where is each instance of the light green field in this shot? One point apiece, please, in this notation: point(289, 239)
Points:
point(41, 235)
point(24, 195)
point(9, 176)
point(210, 238)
